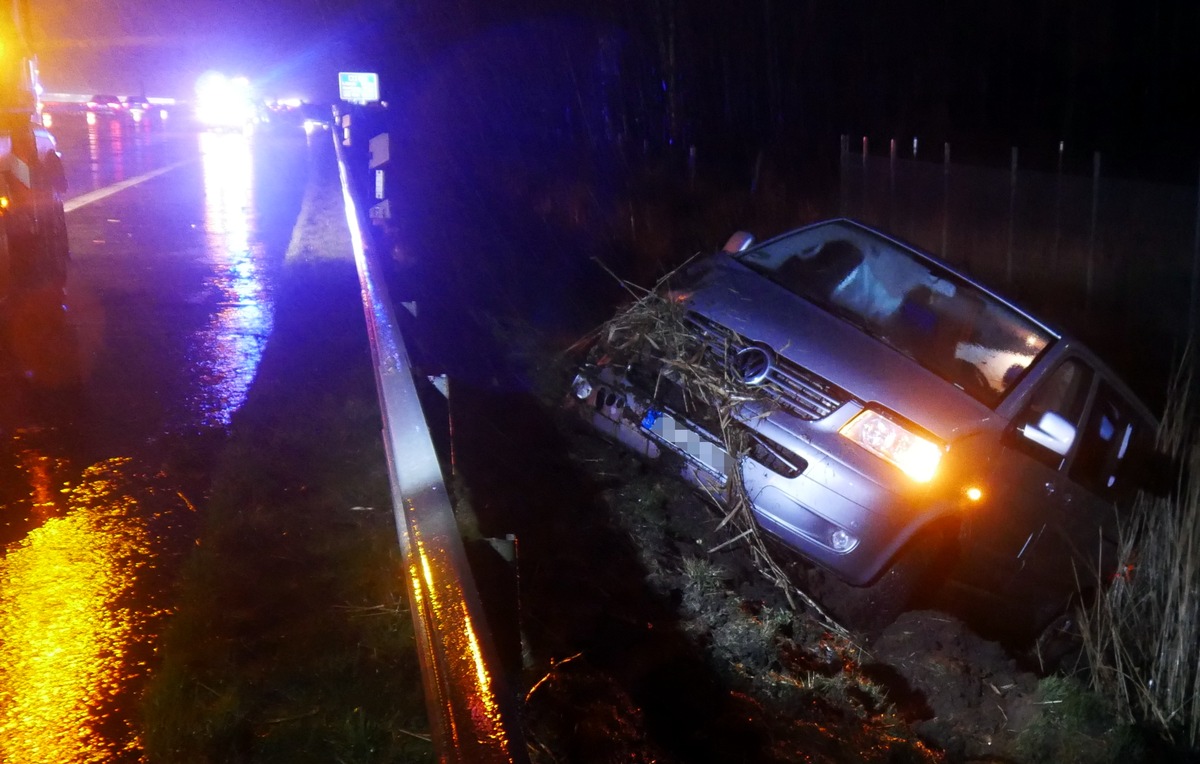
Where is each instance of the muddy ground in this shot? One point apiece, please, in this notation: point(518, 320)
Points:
point(648, 637)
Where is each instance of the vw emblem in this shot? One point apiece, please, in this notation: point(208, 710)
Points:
point(752, 365)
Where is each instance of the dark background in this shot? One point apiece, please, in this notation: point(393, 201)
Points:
point(1116, 77)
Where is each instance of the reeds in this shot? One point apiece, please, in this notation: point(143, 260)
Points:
point(654, 331)
point(1142, 632)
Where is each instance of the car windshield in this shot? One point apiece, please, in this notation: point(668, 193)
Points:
point(952, 328)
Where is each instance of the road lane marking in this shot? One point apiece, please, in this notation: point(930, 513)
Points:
point(92, 197)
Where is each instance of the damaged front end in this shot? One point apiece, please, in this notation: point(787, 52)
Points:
point(634, 416)
point(666, 382)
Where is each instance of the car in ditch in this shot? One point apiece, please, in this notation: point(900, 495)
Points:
point(903, 423)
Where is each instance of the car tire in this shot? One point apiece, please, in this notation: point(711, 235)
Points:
point(914, 575)
point(56, 248)
point(1058, 646)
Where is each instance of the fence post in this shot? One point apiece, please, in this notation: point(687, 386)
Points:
point(1192, 308)
point(1012, 218)
point(1092, 235)
point(862, 212)
point(892, 185)
point(945, 197)
point(1057, 212)
point(843, 163)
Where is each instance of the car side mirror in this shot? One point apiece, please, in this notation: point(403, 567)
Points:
point(739, 242)
point(1052, 431)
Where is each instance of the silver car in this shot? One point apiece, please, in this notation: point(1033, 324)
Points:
point(917, 418)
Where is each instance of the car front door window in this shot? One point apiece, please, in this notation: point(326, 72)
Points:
point(1055, 410)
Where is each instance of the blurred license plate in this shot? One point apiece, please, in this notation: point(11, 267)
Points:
point(695, 447)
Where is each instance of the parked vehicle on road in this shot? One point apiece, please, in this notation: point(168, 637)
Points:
point(102, 103)
point(33, 226)
point(905, 424)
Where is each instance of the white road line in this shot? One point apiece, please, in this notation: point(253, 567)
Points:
point(94, 196)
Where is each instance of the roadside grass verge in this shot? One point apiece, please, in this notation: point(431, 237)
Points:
point(292, 641)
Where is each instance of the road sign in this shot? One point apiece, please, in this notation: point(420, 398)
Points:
point(358, 87)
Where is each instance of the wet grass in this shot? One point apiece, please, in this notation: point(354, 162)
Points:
point(802, 681)
point(292, 641)
point(1077, 725)
point(1140, 635)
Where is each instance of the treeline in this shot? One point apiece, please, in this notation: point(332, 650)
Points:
point(1098, 75)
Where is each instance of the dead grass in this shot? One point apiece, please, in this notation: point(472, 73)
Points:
point(1074, 724)
point(784, 648)
point(1141, 635)
point(654, 330)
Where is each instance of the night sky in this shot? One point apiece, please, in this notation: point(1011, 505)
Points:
point(1100, 74)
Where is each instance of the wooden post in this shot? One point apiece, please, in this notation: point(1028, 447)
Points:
point(1193, 309)
point(862, 211)
point(892, 185)
point(1012, 218)
point(945, 197)
point(1091, 267)
point(842, 170)
point(1057, 213)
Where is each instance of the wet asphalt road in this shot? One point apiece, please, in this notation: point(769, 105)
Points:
point(176, 238)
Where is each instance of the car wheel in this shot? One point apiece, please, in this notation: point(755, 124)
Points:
point(1058, 646)
point(57, 249)
point(914, 574)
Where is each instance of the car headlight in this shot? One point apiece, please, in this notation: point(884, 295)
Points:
point(917, 456)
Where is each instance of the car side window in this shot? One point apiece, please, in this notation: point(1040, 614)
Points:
point(1111, 446)
point(1064, 393)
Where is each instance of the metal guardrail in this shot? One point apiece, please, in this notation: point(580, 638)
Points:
point(471, 714)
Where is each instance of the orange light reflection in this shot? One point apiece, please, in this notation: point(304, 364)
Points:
point(67, 627)
point(435, 586)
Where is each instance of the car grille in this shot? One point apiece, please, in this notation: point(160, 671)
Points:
point(796, 389)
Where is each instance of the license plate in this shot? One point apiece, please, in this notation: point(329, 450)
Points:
point(693, 446)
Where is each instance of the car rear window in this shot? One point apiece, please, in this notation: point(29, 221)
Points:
point(930, 314)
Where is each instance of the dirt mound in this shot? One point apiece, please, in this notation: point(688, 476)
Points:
point(961, 692)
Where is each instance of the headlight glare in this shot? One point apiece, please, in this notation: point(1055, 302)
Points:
point(917, 456)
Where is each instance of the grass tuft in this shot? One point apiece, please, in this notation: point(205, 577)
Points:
point(1141, 634)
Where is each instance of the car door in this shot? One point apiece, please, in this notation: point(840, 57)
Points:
point(1103, 476)
point(1029, 492)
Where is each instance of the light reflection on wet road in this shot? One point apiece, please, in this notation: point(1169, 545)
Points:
point(168, 309)
point(71, 628)
point(225, 354)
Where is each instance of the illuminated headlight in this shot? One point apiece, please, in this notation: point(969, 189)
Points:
point(917, 456)
point(581, 387)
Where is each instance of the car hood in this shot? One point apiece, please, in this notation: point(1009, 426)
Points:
point(803, 332)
